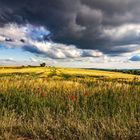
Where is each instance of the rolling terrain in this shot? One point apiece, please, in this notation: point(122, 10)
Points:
point(65, 103)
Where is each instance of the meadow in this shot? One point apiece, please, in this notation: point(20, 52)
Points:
point(64, 104)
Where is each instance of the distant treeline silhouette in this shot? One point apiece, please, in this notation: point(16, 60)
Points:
point(135, 72)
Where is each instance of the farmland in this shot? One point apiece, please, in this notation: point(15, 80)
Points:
point(64, 103)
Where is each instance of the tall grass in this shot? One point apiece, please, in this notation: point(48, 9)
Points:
point(69, 108)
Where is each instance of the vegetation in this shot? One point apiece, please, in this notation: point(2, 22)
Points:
point(42, 64)
point(54, 103)
point(135, 72)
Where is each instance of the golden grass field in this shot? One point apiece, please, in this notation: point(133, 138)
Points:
point(72, 71)
point(65, 103)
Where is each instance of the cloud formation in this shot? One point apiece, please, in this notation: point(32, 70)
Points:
point(135, 58)
point(31, 38)
point(109, 26)
point(8, 60)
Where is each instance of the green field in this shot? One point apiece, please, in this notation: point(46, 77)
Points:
point(64, 104)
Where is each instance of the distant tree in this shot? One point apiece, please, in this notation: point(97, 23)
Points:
point(42, 64)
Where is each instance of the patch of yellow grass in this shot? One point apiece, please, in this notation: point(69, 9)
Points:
point(71, 71)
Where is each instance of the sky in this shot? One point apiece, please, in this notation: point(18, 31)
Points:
point(70, 33)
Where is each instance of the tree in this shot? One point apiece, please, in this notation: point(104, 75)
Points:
point(42, 64)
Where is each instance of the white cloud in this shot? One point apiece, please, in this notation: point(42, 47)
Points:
point(9, 59)
point(91, 53)
point(107, 59)
point(33, 59)
point(30, 38)
point(61, 51)
point(122, 32)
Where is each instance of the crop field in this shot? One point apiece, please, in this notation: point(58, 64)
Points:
point(68, 104)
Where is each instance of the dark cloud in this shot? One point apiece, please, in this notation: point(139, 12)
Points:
point(78, 22)
point(31, 49)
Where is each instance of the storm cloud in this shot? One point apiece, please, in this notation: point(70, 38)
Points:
point(109, 26)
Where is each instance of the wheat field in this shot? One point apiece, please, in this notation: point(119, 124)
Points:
point(64, 103)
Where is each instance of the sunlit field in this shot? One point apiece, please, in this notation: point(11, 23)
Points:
point(64, 104)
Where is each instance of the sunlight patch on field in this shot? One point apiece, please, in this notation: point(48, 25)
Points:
point(44, 72)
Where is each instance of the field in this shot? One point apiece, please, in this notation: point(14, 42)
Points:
point(64, 104)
